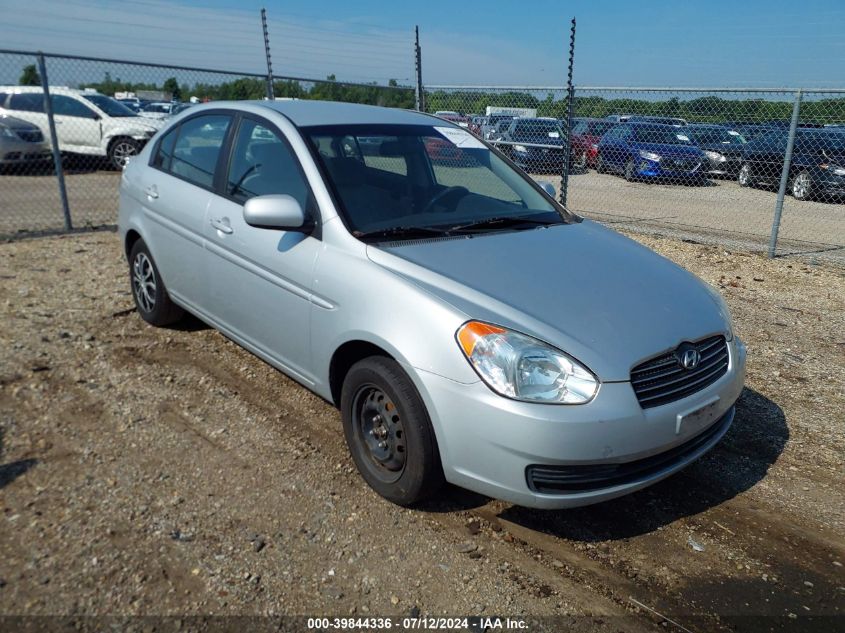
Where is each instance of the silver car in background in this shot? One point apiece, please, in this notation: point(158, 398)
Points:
point(468, 327)
point(21, 143)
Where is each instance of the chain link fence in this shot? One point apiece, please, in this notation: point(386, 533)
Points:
point(103, 112)
point(734, 167)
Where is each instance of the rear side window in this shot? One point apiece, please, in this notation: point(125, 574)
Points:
point(197, 148)
point(27, 102)
point(164, 154)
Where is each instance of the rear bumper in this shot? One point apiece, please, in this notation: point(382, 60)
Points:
point(491, 444)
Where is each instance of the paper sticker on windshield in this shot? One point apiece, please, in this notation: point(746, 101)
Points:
point(554, 134)
point(733, 132)
point(461, 138)
point(681, 137)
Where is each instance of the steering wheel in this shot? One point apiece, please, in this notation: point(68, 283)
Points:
point(448, 191)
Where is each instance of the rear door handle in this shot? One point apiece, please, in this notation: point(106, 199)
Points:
point(152, 192)
point(222, 225)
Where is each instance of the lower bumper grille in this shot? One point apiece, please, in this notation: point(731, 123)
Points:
point(559, 479)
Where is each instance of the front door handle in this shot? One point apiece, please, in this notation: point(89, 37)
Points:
point(222, 225)
point(152, 192)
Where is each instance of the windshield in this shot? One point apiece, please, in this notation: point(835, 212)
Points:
point(663, 135)
point(110, 106)
point(714, 136)
point(423, 177)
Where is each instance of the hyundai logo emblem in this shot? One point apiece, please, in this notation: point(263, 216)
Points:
point(689, 358)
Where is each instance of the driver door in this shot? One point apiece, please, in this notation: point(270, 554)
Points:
point(77, 125)
point(260, 278)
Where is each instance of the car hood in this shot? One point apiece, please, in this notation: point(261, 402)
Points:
point(597, 295)
point(540, 139)
point(17, 124)
point(733, 150)
point(665, 149)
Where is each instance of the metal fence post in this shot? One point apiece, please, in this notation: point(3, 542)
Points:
point(54, 141)
point(570, 95)
point(418, 87)
point(784, 175)
point(271, 95)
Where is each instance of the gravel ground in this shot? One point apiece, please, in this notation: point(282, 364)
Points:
point(169, 472)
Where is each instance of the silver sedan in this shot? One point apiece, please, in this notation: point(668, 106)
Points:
point(468, 327)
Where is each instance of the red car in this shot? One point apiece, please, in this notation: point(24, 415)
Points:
point(585, 136)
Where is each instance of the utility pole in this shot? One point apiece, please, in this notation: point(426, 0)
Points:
point(270, 92)
point(570, 96)
point(419, 94)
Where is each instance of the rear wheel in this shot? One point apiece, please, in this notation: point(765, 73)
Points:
point(151, 298)
point(802, 186)
point(600, 166)
point(581, 161)
point(744, 177)
point(389, 433)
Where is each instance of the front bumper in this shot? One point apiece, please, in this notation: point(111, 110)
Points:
point(14, 152)
point(488, 443)
point(667, 169)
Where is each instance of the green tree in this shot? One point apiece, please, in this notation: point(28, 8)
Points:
point(30, 76)
point(172, 86)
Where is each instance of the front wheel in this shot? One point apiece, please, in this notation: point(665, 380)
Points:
point(581, 161)
point(802, 186)
point(121, 150)
point(600, 166)
point(744, 177)
point(389, 433)
point(630, 171)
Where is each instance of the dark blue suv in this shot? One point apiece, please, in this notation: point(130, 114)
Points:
point(817, 169)
point(649, 151)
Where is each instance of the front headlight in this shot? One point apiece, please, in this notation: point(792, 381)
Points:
point(650, 155)
point(7, 132)
point(520, 148)
point(715, 156)
point(521, 367)
point(836, 169)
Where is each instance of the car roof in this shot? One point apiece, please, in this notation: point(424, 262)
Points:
point(307, 112)
point(53, 89)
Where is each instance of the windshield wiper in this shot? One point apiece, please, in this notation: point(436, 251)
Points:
point(408, 232)
point(503, 222)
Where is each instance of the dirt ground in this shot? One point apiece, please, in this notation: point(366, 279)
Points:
point(169, 472)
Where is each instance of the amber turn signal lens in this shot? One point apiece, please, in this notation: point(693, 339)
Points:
point(471, 332)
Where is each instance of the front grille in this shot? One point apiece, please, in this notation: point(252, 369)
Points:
point(31, 136)
point(561, 479)
point(681, 165)
point(663, 379)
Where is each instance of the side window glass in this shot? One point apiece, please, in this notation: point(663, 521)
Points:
point(163, 158)
point(197, 148)
point(263, 164)
point(66, 106)
point(27, 102)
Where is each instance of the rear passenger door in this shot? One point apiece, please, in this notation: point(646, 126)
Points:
point(77, 126)
point(260, 278)
point(175, 196)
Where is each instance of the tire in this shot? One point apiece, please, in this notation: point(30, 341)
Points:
point(600, 167)
point(581, 163)
point(801, 185)
point(630, 171)
point(121, 150)
point(389, 433)
point(148, 290)
point(744, 177)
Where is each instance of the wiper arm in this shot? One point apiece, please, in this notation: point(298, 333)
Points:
point(409, 232)
point(502, 222)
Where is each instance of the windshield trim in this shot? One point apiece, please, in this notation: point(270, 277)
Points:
point(306, 131)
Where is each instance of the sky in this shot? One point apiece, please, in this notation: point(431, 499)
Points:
point(719, 43)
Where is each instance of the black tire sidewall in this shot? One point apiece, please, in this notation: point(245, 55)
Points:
point(115, 142)
point(422, 474)
point(164, 311)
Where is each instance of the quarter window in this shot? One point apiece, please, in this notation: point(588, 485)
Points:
point(197, 148)
point(164, 154)
point(263, 164)
point(27, 102)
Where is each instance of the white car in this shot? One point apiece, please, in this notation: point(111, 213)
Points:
point(158, 110)
point(87, 123)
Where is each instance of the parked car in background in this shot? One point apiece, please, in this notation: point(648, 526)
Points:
point(21, 142)
point(662, 120)
point(585, 137)
point(498, 131)
point(493, 363)
point(721, 146)
point(750, 131)
point(87, 122)
point(817, 167)
point(159, 110)
point(650, 151)
point(133, 103)
point(477, 123)
point(492, 125)
point(453, 117)
point(619, 118)
point(535, 144)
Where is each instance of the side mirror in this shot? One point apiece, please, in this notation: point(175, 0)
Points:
point(548, 187)
point(276, 211)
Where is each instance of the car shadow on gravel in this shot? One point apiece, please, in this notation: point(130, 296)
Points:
point(743, 457)
point(11, 471)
